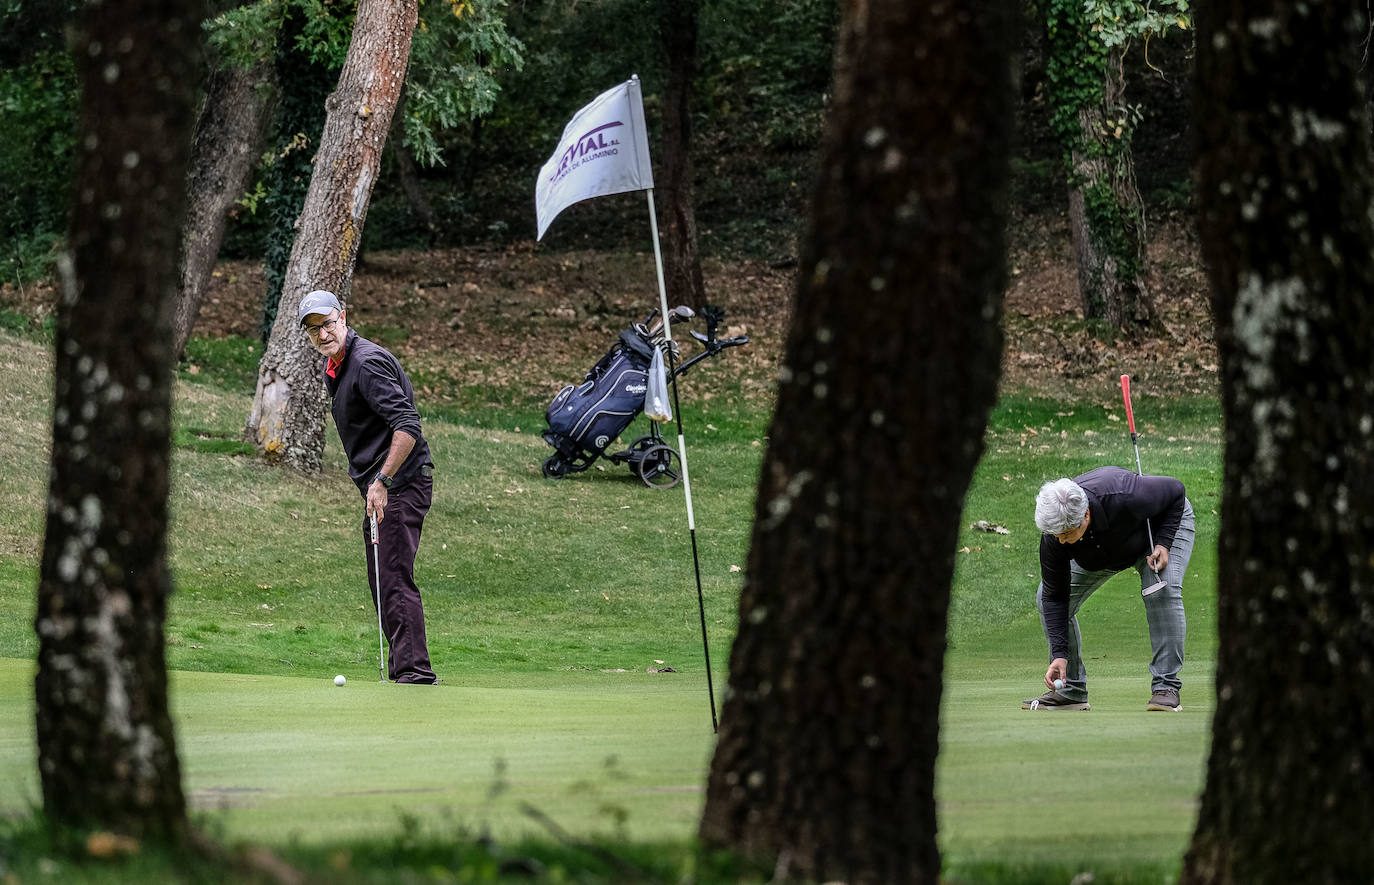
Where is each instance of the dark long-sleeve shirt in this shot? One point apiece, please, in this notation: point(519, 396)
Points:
point(372, 399)
point(1120, 501)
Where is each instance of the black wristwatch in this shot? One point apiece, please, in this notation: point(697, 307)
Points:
point(385, 480)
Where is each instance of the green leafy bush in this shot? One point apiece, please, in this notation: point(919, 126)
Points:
point(38, 101)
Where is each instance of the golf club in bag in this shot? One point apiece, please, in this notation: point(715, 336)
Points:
point(1130, 422)
point(377, 582)
point(585, 418)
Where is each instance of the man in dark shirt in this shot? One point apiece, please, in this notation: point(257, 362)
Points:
point(1095, 526)
point(374, 411)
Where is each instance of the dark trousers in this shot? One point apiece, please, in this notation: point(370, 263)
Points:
point(403, 614)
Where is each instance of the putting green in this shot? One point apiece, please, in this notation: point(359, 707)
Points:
point(277, 759)
point(281, 760)
point(1112, 786)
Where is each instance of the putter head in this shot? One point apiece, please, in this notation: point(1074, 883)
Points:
point(1146, 591)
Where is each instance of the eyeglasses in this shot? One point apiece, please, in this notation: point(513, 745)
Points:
point(326, 326)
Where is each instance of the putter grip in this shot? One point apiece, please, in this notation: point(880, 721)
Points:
point(374, 529)
point(1126, 396)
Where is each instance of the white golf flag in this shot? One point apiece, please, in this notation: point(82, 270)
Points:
point(604, 150)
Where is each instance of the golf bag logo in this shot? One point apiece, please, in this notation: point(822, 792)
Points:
point(602, 441)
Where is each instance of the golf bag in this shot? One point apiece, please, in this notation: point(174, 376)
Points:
point(585, 418)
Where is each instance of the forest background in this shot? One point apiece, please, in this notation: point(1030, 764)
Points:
point(450, 226)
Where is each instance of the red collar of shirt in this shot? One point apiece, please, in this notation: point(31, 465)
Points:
point(332, 367)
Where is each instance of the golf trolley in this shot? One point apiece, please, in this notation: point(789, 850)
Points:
point(584, 419)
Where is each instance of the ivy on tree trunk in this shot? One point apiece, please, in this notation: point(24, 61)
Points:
point(1089, 116)
point(300, 118)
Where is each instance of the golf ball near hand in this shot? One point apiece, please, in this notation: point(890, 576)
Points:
point(339, 680)
point(1058, 683)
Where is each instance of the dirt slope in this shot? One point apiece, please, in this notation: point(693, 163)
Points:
point(527, 319)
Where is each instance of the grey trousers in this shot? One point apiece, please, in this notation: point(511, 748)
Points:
point(1163, 613)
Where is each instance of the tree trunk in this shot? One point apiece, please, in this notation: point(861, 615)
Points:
point(681, 261)
point(106, 749)
point(1106, 214)
point(295, 143)
point(407, 172)
point(1285, 182)
point(287, 420)
point(826, 755)
point(228, 141)
point(1107, 217)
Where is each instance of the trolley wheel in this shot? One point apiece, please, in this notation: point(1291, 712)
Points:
point(655, 467)
point(554, 468)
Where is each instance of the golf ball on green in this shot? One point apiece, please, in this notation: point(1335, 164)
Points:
point(339, 680)
point(1058, 683)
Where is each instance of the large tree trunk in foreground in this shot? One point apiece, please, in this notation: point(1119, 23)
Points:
point(287, 420)
point(106, 751)
point(681, 259)
point(826, 753)
point(228, 141)
point(1285, 183)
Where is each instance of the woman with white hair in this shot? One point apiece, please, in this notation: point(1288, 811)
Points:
point(1094, 527)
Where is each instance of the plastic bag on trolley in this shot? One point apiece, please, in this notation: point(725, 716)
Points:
point(656, 396)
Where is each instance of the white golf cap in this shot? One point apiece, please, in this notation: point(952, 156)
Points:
point(321, 301)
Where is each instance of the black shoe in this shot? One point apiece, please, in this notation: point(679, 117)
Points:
point(1053, 700)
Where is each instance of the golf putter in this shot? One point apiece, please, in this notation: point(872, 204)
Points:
point(1130, 422)
point(377, 582)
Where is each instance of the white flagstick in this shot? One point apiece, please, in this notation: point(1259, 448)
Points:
point(682, 451)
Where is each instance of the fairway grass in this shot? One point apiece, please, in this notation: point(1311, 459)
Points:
point(291, 762)
point(546, 601)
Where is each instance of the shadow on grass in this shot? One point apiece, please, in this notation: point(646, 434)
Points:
point(212, 442)
point(956, 873)
point(31, 851)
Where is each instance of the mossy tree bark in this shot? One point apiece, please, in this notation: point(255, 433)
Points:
point(1285, 185)
point(1106, 215)
point(106, 749)
point(296, 131)
point(287, 419)
point(826, 755)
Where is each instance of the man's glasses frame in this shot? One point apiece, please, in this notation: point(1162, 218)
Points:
point(327, 326)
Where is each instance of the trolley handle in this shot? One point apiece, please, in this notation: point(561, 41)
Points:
point(715, 344)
